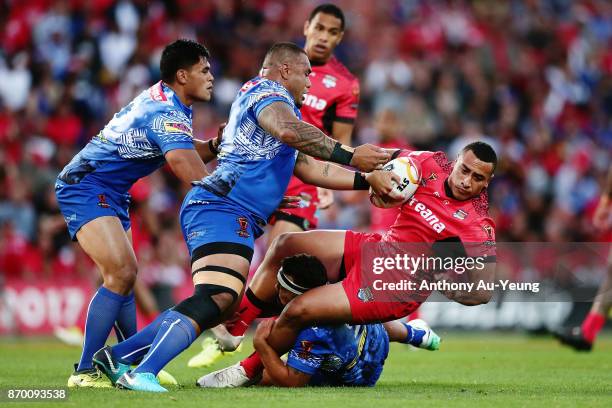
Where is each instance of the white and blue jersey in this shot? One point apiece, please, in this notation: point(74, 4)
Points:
point(132, 145)
point(254, 168)
point(341, 355)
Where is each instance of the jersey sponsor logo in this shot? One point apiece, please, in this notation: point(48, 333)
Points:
point(314, 102)
point(243, 223)
point(329, 81)
point(432, 177)
point(427, 215)
point(365, 295)
point(177, 127)
point(157, 93)
point(460, 214)
point(102, 201)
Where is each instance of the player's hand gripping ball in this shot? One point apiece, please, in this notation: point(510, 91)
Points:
point(409, 173)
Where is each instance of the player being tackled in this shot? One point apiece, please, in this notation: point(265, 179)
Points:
point(324, 355)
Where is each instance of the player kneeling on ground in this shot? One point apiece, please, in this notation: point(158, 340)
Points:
point(325, 355)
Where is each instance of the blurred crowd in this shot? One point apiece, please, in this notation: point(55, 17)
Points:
point(531, 77)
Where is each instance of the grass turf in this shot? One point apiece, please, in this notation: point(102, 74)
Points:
point(478, 369)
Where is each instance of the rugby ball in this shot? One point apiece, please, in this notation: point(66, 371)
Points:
point(410, 174)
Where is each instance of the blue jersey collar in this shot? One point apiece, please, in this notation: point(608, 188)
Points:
point(176, 100)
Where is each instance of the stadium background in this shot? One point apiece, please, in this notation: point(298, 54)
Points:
point(531, 77)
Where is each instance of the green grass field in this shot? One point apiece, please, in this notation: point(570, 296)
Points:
point(479, 369)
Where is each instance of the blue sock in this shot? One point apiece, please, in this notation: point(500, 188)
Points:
point(125, 324)
point(136, 346)
point(101, 315)
point(175, 334)
point(415, 336)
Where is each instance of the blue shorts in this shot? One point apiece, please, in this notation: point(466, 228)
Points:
point(213, 224)
point(83, 202)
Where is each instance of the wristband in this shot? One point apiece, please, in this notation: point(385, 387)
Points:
point(340, 155)
point(395, 154)
point(360, 182)
point(212, 147)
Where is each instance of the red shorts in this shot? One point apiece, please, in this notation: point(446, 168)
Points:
point(304, 216)
point(363, 307)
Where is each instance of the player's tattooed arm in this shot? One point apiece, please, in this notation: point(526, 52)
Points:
point(328, 175)
point(279, 120)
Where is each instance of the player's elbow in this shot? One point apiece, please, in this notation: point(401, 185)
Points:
point(286, 136)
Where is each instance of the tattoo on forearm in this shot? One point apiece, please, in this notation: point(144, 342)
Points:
point(308, 139)
point(326, 170)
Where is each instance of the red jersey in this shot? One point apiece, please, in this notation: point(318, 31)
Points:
point(333, 97)
point(433, 215)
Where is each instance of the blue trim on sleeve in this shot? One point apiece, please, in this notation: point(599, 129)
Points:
point(166, 147)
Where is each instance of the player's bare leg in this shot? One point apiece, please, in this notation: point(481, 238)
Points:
point(279, 228)
point(109, 246)
point(327, 246)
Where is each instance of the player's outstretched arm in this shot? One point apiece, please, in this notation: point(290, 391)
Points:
point(279, 120)
point(329, 175)
point(186, 164)
point(209, 149)
point(276, 372)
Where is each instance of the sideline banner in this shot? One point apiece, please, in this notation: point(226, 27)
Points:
point(37, 307)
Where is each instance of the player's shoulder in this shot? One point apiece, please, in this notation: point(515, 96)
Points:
point(264, 84)
point(157, 100)
point(480, 222)
point(338, 68)
point(259, 88)
point(420, 156)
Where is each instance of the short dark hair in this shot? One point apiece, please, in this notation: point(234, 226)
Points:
point(483, 151)
point(328, 8)
point(305, 270)
point(181, 54)
point(279, 52)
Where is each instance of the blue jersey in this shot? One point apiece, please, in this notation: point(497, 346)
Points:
point(254, 167)
point(341, 355)
point(132, 145)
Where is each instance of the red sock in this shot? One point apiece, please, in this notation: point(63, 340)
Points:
point(252, 365)
point(247, 313)
point(592, 325)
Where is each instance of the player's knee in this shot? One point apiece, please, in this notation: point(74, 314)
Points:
point(283, 243)
point(208, 305)
point(225, 301)
point(121, 277)
point(477, 298)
